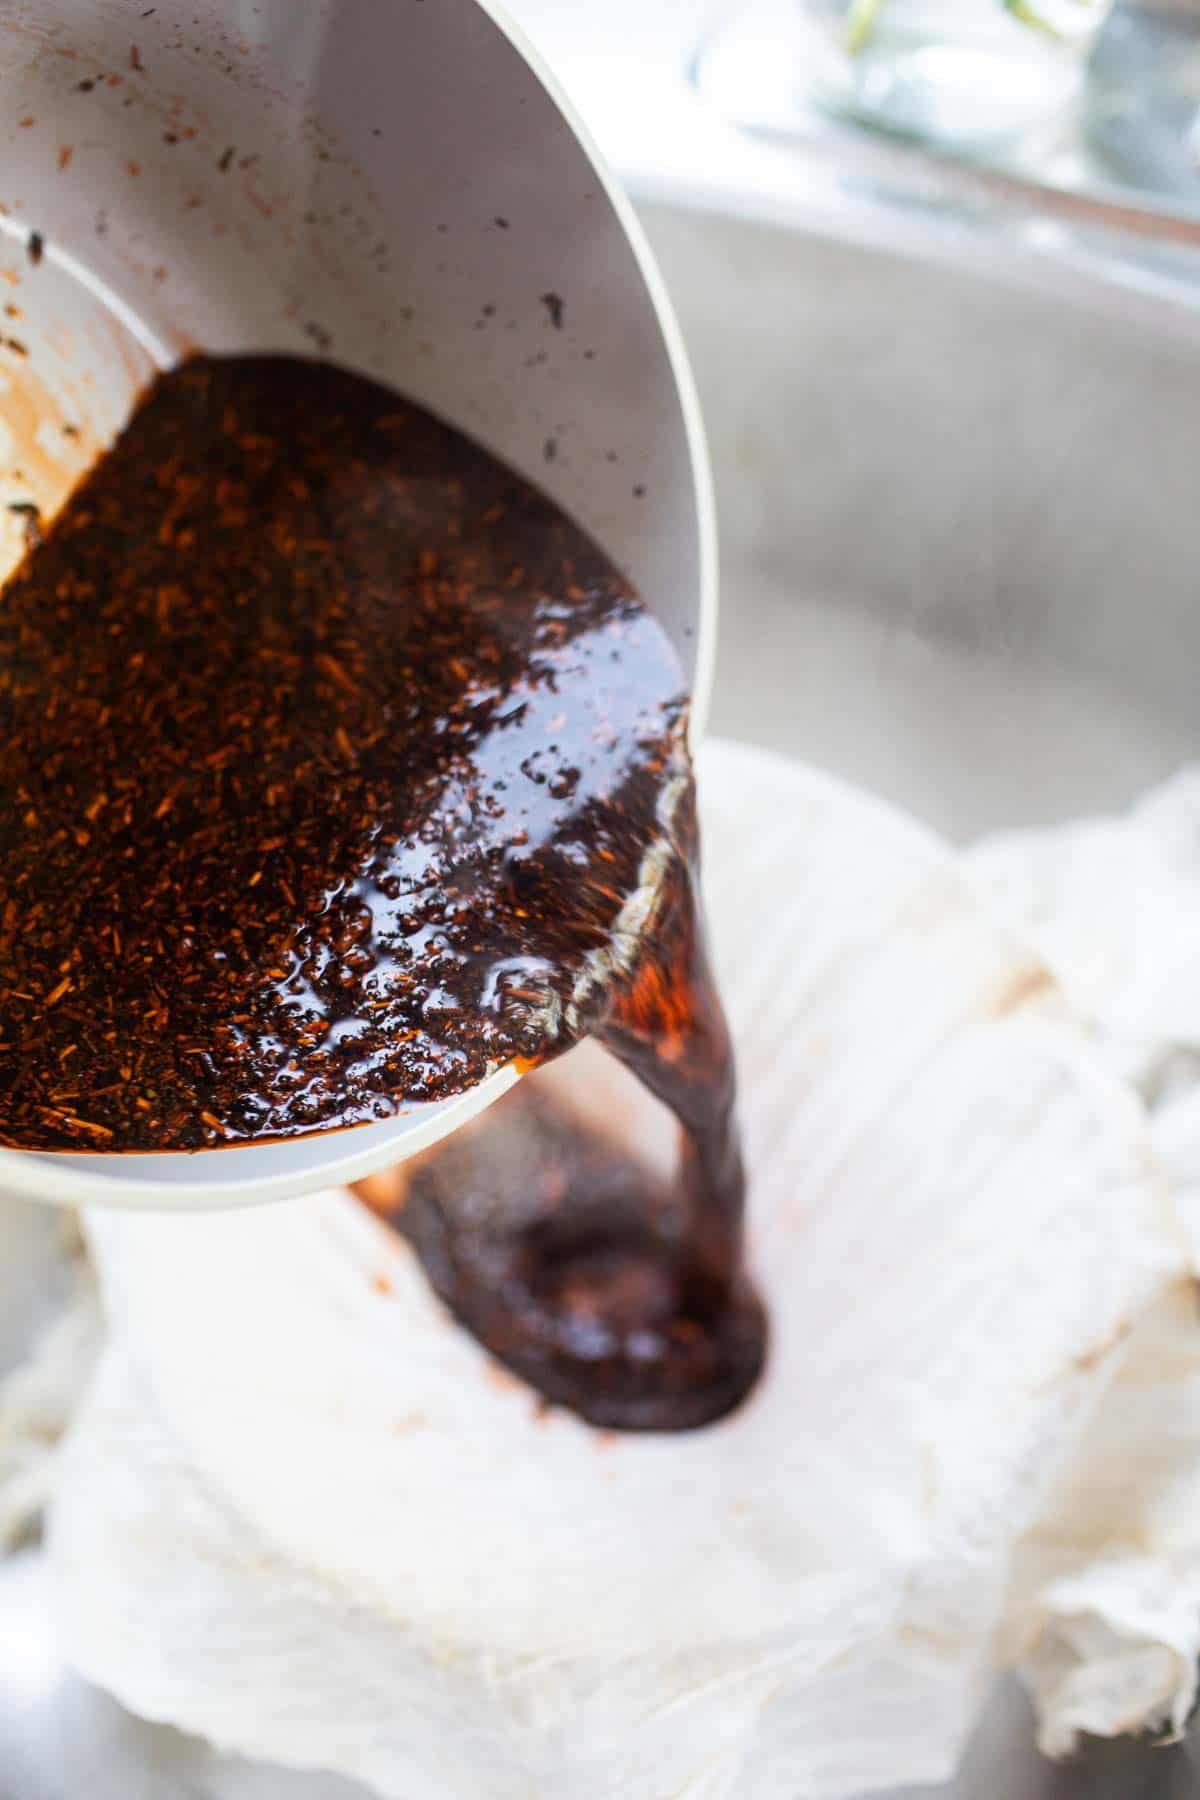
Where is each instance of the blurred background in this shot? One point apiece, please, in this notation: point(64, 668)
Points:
point(938, 266)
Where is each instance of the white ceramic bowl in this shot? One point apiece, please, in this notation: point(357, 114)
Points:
point(396, 184)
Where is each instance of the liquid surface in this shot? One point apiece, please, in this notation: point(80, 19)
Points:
point(330, 752)
point(338, 769)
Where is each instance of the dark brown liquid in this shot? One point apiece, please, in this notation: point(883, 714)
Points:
point(339, 769)
point(611, 1292)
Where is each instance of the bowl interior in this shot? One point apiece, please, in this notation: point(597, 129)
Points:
point(392, 186)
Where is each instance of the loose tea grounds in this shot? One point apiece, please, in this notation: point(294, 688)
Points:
point(331, 752)
point(339, 768)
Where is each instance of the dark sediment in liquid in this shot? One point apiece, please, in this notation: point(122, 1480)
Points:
point(339, 769)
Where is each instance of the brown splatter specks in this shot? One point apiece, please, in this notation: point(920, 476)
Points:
point(65, 153)
point(498, 1377)
point(225, 160)
point(1026, 987)
point(28, 121)
point(386, 1191)
point(133, 168)
point(554, 305)
point(135, 60)
point(1092, 1359)
point(31, 515)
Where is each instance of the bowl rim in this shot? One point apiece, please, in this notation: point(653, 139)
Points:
point(56, 1177)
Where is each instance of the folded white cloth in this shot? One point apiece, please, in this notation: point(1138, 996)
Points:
point(300, 1513)
point(1105, 1612)
point(51, 1331)
point(1111, 904)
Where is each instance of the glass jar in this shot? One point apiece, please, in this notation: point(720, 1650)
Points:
point(963, 74)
